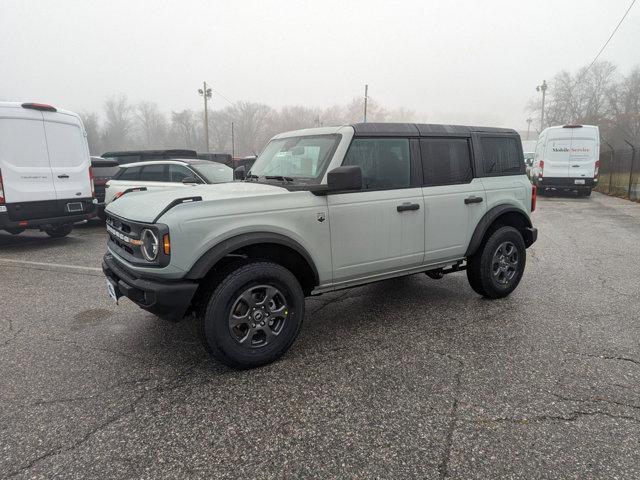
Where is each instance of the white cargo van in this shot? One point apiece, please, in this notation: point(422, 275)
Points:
point(567, 158)
point(46, 181)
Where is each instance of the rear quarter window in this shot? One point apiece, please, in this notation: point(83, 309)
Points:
point(501, 156)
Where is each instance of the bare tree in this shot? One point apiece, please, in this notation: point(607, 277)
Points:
point(150, 124)
point(183, 125)
point(252, 126)
point(118, 124)
point(92, 127)
point(624, 101)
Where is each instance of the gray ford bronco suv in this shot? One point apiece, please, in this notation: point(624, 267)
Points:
point(323, 209)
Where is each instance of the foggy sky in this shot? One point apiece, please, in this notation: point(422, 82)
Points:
point(474, 62)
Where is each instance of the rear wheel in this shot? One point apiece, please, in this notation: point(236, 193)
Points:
point(253, 314)
point(59, 231)
point(496, 269)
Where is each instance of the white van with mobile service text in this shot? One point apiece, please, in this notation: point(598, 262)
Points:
point(567, 158)
point(46, 182)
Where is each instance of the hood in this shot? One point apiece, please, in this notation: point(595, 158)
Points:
point(146, 206)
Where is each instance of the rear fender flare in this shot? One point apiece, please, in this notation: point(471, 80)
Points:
point(487, 220)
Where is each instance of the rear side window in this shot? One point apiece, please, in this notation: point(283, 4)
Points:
point(131, 173)
point(385, 162)
point(501, 156)
point(153, 173)
point(445, 161)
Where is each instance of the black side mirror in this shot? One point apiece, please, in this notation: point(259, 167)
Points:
point(240, 173)
point(347, 178)
point(190, 180)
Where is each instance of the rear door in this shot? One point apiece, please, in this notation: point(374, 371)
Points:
point(557, 154)
point(24, 162)
point(454, 200)
point(68, 156)
point(584, 152)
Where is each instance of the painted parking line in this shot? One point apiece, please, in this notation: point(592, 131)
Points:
point(51, 265)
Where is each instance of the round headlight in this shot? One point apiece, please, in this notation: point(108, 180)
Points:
point(149, 245)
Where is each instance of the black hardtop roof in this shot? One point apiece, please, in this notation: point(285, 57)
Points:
point(422, 129)
point(154, 154)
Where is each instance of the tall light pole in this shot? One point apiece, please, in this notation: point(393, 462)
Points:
point(206, 94)
point(542, 88)
point(529, 120)
point(366, 98)
point(233, 142)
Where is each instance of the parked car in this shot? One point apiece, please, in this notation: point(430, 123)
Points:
point(567, 158)
point(163, 174)
point(46, 181)
point(322, 210)
point(132, 156)
point(103, 170)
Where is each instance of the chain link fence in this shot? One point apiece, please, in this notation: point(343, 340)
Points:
point(620, 171)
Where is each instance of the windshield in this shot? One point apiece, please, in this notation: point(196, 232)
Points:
point(297, 158)
point(214, 172)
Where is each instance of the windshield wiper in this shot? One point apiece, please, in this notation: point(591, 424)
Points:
point(279, 177)
point(249, 176)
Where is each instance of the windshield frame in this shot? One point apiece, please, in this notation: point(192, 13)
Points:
point(292, 179)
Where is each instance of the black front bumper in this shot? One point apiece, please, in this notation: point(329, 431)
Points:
point(167, 299)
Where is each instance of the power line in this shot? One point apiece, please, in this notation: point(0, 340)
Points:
point(223, 97)
point(608, 40)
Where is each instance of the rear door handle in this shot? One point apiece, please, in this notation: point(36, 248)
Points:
point(64, 175)
point(408, 206)
point(469, 200)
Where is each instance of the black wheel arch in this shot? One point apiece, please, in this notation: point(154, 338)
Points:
point(502, 215)
point(261, 245)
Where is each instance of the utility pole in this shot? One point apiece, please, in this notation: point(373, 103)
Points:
point(542, 88)
point(206, 94)
point(366, 98)
point(529, 120)
point(233, 142)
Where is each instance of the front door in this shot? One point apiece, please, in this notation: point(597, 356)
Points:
point(379, 230)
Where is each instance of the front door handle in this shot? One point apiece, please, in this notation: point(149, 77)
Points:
point(408, 206)
point(472, 199)
point(64, 175)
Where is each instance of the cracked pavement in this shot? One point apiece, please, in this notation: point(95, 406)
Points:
point(410, 378)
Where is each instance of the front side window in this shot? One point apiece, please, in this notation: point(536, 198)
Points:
point(303, 159)
point(385, 162)
point(130, 173)
point(446, 161)
point(501, 156)
point(177, 173)
point(153, 173)
point(214, 172)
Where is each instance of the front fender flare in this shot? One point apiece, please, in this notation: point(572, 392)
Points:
point(212, 256)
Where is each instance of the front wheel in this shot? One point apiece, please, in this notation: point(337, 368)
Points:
point(253, 315)
point(496, 269)
point(59, 231)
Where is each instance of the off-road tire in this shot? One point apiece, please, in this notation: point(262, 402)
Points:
point(480, 265)
point(59, 231)
point(218, 298)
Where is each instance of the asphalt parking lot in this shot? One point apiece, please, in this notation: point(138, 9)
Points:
point(411, 378)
